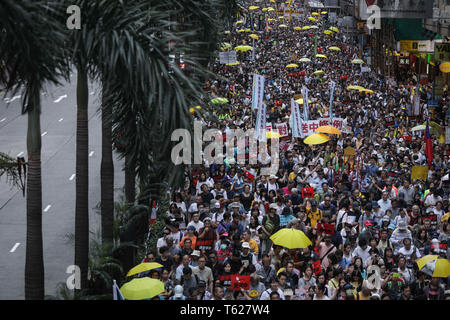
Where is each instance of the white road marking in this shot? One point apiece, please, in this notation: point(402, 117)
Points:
point(71, 177)
point(3, 120)
point(47, 208)
point(20, 154)
point(91, 93)
point(14, 98)
point(43, 134)
point(60, 98)
point(91, 154)
point(60, 120)
point(6, 99)
point(15, 247)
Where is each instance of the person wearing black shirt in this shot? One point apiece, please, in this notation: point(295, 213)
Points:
point(165, 259)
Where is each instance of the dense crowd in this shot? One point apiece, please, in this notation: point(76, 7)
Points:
point(365, 210)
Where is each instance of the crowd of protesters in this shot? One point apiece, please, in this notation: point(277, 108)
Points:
point(365, 210)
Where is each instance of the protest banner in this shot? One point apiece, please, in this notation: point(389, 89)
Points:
point(419, 172)
point(239, 282)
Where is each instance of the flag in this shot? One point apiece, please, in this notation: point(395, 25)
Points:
point(249, 175)
point(428, 145)
point(117, 295)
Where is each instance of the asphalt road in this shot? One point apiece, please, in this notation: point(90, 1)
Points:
point(58, 128)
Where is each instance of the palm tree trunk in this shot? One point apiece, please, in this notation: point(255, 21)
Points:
point(107, 175)
point(34, 260)
point(82, 179)
point(130, 180)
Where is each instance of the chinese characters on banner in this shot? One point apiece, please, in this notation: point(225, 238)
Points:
point(332, 86)
point(296, 120)
point(239, 281)
point(257, 103)
point(282, 129)
point(309, 127)
point(305, 103)
point(258, 91)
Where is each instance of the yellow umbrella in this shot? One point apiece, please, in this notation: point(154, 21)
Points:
point(312, 19)
point(328, 32)
point(142, 288)
point(273, 1)
point(264, 9)
point(321, 56)
point(434, 266)
point(270, 9)
point(316, 138)
point(272, 134)
point(297, 28)
point(368, 91)
point(283, 26)
point(271, 19)
point(306, 28)
point(225, 45)
point(335, 48)
point(192, 110)
point(242, 30)
point(357, 61)
point(253, 7)
point(328, 129)
point(319, 72)
point(356, 88)
point(233, 63)
point(292, 65)
point(239, 22)
point(334, 29)
point(254, 36)
point(324, 12)
point(315, 14)
point(282, 17)
point(435, 128)
point(144, 266)
point(305, 60)
point(248, 30)
point(290, 238)
point(300, 101)
point(243, 48)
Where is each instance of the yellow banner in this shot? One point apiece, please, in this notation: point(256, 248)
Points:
point(419, 173)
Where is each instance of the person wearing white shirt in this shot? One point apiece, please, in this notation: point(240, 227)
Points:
point(362, 250)
point(384, 202)
point(196, 223)
point(273, 288)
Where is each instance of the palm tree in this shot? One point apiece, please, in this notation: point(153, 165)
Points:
point(105, 40)
point(13, 170)
point(31, 45)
